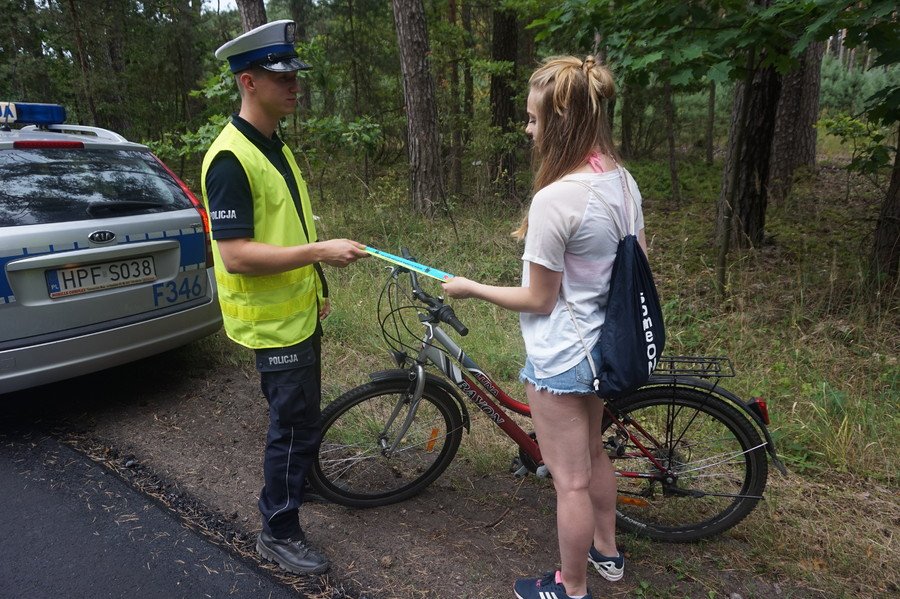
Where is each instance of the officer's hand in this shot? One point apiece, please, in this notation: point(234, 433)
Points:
point(324, 310)
point(341, 252)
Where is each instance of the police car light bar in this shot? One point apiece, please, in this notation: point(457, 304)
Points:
point(30, 113)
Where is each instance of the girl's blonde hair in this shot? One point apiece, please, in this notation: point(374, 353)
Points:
point(571, 112)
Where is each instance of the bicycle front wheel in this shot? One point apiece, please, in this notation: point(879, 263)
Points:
point(715, 454)
point(363, 463)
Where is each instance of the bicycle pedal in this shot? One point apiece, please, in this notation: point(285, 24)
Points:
point(521, 472)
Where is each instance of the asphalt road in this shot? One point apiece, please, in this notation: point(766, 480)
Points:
point(69, 528)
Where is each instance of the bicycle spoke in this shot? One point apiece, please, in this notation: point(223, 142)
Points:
point(355, 461)
point(373, 453)
point(699, 478)
point(730, 458)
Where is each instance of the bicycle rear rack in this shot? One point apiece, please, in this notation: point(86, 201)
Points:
point(699, 366)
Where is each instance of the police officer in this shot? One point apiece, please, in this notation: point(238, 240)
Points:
point(271, 288)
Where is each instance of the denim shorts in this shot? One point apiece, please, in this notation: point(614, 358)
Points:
point(575, 381)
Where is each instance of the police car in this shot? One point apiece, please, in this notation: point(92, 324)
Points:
point(104, 253)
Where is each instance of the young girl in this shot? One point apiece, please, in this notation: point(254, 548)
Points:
point(570, 244)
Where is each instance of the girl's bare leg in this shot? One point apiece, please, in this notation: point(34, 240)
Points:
point(562, 425)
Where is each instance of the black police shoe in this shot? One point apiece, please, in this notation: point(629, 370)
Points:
point(293, 555)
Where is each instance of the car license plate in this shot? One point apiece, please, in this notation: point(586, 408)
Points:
point(103, 275)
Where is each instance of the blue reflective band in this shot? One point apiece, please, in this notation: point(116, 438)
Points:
point(28, 113)
point(239, 62)
point(428, 271)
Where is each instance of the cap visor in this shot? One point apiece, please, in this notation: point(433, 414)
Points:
point(285, 66)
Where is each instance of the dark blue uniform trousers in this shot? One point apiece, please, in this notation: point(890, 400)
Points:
point(291, 381)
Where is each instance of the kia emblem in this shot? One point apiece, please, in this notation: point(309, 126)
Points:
point(102, 236)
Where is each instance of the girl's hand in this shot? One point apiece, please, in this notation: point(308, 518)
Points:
point(540, 297)
point(459, 287)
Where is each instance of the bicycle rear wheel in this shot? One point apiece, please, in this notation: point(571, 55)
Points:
point(356, 466)
point(717, 455)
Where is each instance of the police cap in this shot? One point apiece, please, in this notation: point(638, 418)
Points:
point(270, 46)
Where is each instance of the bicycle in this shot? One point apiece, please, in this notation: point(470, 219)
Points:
point(690, 457)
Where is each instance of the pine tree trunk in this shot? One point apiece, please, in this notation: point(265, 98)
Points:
point(113, 55)
point(455, 113)
point(253, 13)
point(725, 215)
point(886, 252)
point(670, 135)
point(423, 143)
point(794, 144)
point(187, 19)
point(840, 48)
point(300, 15)
point(468, 80)
point(599, 52)
point(504, 48)
point(626, 147)
point(711, 123)
point(752, 170)
point(83, 62)
point(354, 66)
point(21, 30)
point(611, 114)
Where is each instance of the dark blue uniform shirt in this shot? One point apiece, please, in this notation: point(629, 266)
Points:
point(228, 189)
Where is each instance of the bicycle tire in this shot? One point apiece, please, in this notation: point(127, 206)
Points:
point(715, 449)
point(352, 467)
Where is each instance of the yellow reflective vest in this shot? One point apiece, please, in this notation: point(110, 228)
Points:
point(265, 311)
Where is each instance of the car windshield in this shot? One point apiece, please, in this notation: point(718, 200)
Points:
point(51, 185)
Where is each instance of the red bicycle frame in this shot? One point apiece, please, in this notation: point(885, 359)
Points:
point(485, 391)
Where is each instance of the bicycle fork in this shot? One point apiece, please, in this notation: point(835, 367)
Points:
point(412, 399)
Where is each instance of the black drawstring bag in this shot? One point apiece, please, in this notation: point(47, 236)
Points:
point(633, 336)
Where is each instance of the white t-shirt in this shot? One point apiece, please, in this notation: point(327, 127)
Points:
point(570, 230)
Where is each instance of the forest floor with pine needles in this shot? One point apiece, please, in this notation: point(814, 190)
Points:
point(193, 440)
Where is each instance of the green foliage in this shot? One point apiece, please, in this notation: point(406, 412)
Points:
point(219, 88)
point(172, 146)
point(326, 77)
point(353, 51)
point(220, 95)
point(693, 111)
point(874, 24)
point(869, 153)
point(334, 133)
point(687, 44)
point(488, 68)
point(683, 43)
point(849, 90)
point(128, 65)
point(321, 139)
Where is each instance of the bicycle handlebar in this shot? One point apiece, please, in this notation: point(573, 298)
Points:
point(436, 306)
point(446, 314)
